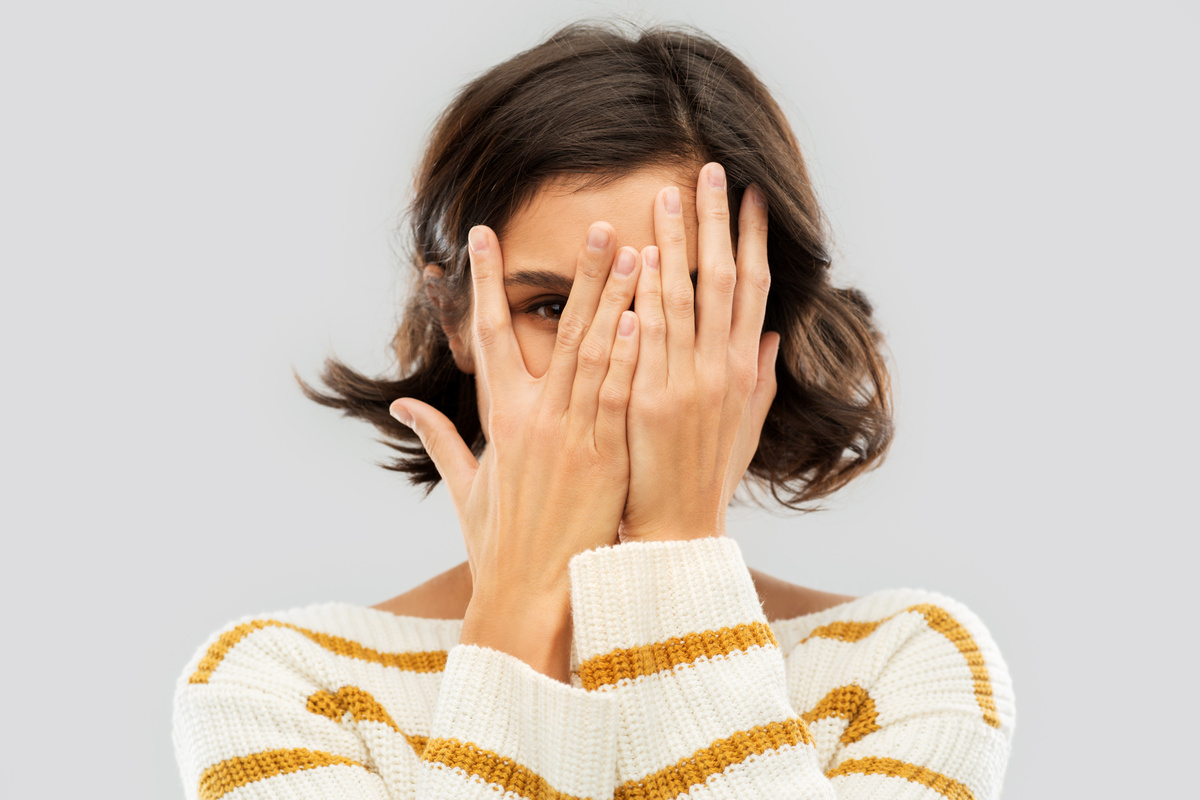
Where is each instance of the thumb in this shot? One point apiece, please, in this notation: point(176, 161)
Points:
point(450, 454)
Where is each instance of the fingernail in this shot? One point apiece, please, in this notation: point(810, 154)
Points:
point(478, 240)
point(650, 257)
point(597, 238)
point(716, 176)
point(625, 261)
point(672, 201)
point(401, 413)
point(625, 326)
point(756, 196)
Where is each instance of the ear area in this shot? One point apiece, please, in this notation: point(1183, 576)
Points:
point(432, 280)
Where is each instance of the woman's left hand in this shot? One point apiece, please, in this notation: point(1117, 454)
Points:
point(705, 375)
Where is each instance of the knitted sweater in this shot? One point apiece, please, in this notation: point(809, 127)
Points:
point(679, 688)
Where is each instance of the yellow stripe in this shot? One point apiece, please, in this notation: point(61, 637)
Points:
point(225, 776)
point(492, 768)
point(939, 620)
point(845, 631)
point(417, 661)
point(947, 787)
point(633, 662)
point(851, 703)
point(717, 757)
point(361, 706)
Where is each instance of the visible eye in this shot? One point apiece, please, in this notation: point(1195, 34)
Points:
point(550, 310)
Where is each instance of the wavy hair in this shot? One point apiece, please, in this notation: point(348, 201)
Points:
point(597, 103)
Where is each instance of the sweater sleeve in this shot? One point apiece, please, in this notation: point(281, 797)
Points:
point(675, 632)
point(502, 726)
point(274, 709)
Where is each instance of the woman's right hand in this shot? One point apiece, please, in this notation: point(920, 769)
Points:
point(554, 477)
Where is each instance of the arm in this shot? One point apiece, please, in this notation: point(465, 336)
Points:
point(271, 718)
point(283, 707)
point(707, 697)
point(703, 692)
point(674, 632)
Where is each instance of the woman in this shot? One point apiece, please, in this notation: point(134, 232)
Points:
point(588, 309)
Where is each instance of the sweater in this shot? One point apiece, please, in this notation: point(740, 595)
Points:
point(679, 688)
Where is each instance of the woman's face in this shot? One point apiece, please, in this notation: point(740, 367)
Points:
point(542, 242)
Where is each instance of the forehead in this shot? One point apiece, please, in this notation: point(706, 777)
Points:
point(547, 233)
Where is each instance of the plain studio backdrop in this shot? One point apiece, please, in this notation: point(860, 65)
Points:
point(197, 198)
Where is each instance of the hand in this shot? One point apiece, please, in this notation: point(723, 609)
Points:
point(705, 376)
point(553, 479)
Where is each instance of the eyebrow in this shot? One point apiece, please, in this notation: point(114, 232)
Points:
point(548, 280)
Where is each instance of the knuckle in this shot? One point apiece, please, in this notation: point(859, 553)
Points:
point(679, 299)
point(755, 225)
point(487, 329)
point(744, 379)
point(592, 267)
point(623, 359)
point(615, 295)
point(614, 397)
point(760, 279)
point(592, 354)
point(718, 212)
point(724, 277)
point(653, 326)
point(676, 237)
point(571, 331)
point(481, 271)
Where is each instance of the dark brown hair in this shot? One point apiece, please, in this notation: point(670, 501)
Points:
point(597, 103)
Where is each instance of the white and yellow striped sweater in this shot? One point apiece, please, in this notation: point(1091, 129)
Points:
point(680, 688)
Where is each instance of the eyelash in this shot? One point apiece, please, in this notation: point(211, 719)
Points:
point(553, 301)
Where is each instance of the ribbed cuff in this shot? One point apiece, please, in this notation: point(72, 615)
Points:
point(636, 593)
point(492, 701)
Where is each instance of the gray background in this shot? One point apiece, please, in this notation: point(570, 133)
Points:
point(196, 197)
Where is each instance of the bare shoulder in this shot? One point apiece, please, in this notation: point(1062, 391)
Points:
point(782, 600)
point(444, 596)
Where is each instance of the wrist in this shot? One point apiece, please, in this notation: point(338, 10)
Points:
point(533, 627)
point(671, 530)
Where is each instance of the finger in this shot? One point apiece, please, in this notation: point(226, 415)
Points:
point(496, 344)
point(754, 416)
point(615, 391)
point(754, 274)
point(596, 350)
point(449, 453)
point(652, 325)
point(678, 300)
point(764, 389)
point(717, 276)
point(592, 267)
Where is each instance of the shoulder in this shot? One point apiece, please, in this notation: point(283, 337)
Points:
point(267, 695)
point(442, 597)
point(858, 617)
point(260, 644)
point(784, 601)
point(902, 643)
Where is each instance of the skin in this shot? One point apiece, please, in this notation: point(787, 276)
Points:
point(592, 403)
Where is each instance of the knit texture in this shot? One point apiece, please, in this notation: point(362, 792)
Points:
point(679, 688)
